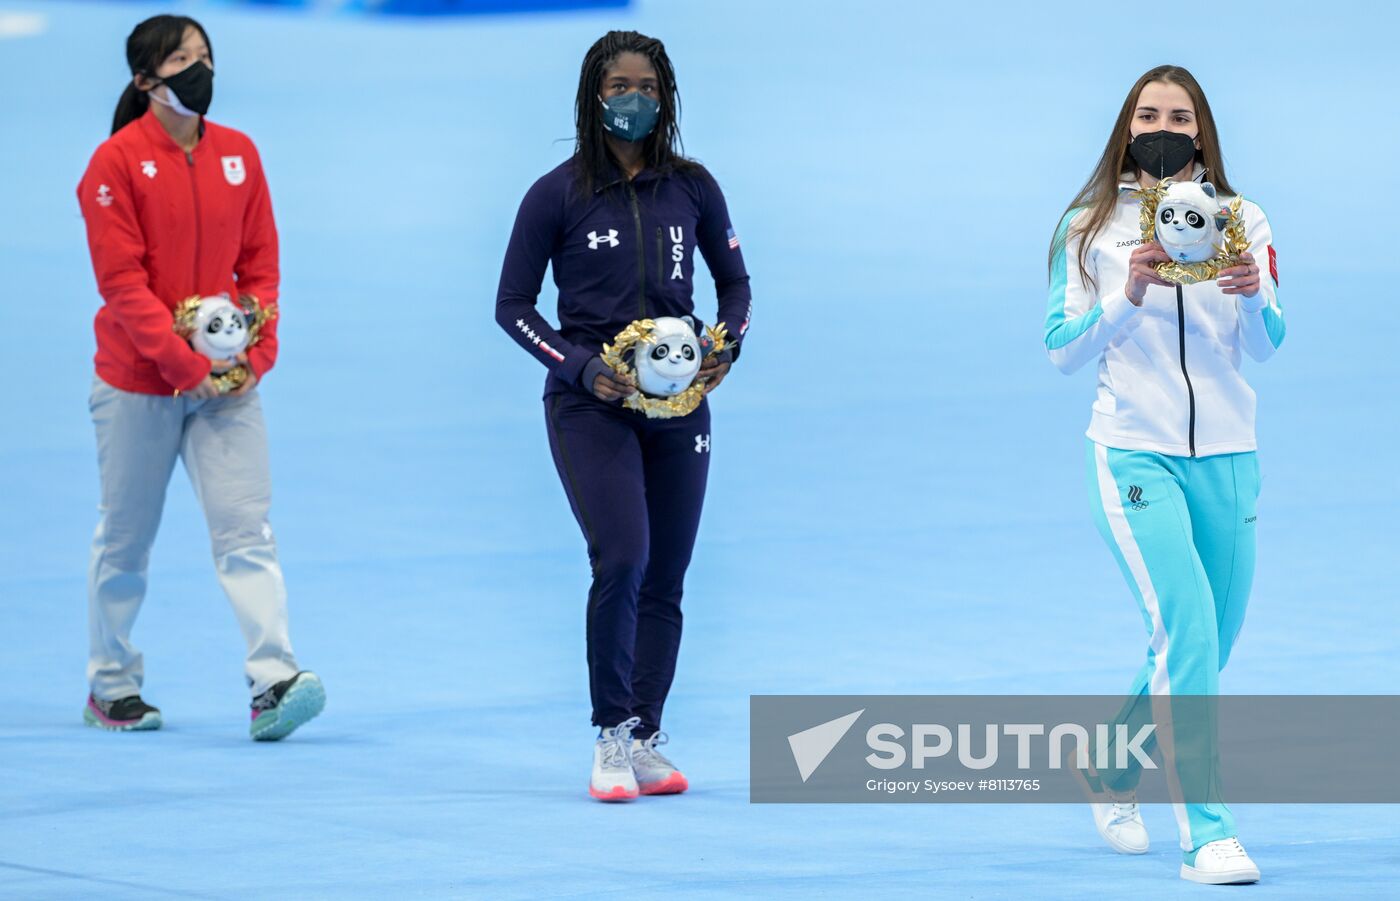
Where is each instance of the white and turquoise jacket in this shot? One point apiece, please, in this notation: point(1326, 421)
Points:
point(1169, 371)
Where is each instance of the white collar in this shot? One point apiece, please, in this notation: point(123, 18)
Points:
point(1127, 181)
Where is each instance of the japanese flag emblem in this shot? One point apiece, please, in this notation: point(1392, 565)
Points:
point(234, 173)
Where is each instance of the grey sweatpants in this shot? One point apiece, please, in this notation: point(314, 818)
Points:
point(223, 443)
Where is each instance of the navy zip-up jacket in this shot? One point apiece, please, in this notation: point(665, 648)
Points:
point(622, 254)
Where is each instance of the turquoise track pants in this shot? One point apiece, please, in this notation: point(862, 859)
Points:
point(1182, 530)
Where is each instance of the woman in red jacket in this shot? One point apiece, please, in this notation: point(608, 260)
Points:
point(177, 207)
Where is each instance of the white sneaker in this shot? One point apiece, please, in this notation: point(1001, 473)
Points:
point(655, 774)
point(613, 779)
point(1116, 815)
point(1221, 862)
point(1120, 823)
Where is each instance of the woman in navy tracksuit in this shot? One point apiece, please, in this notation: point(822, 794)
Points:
point(619, 222)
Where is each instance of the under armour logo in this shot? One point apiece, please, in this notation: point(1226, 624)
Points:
point(702, 444)
point(594, 239)
point(1135, 498)
point(148, 168)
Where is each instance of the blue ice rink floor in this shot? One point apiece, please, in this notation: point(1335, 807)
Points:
point(897, 501)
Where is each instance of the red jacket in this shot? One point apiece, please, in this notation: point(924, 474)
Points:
point(163, 225)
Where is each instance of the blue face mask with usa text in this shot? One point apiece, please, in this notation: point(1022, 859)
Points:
point(630, 117)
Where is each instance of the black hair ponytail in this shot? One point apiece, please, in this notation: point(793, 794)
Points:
point(146, 48)
point(132, 106)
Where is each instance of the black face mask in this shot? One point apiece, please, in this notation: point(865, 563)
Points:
point(193, 87)
point(1162, 154)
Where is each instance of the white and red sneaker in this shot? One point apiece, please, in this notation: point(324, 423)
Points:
point(655, 774)
point(613, 779)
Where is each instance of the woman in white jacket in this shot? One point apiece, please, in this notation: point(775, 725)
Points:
point(1173, 477)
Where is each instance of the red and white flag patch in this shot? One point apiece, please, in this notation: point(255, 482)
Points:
point(1273, 264)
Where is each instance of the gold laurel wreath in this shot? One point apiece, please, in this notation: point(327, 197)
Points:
point(681, 404)
point(1226, 255)
point(257, 316)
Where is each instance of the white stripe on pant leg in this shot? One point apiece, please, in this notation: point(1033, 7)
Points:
point(1160, 683)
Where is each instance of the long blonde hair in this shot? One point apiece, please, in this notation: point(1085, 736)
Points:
point(1100, 193)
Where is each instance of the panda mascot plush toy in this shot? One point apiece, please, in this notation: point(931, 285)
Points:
point(220, 329)
point(668, 359)
point(1190, 222)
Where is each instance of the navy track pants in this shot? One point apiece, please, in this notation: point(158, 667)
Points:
point(636, 486)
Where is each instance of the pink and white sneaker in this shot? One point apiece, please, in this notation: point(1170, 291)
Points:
point(655, 774)
point(613, 779)
point(129, 714)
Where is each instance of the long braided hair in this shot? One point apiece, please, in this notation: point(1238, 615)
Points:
point(662, 150)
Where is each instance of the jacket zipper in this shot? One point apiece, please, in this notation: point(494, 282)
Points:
point(641, 254)
point(660, 260)
point(194, 191)
point(1190, 392)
